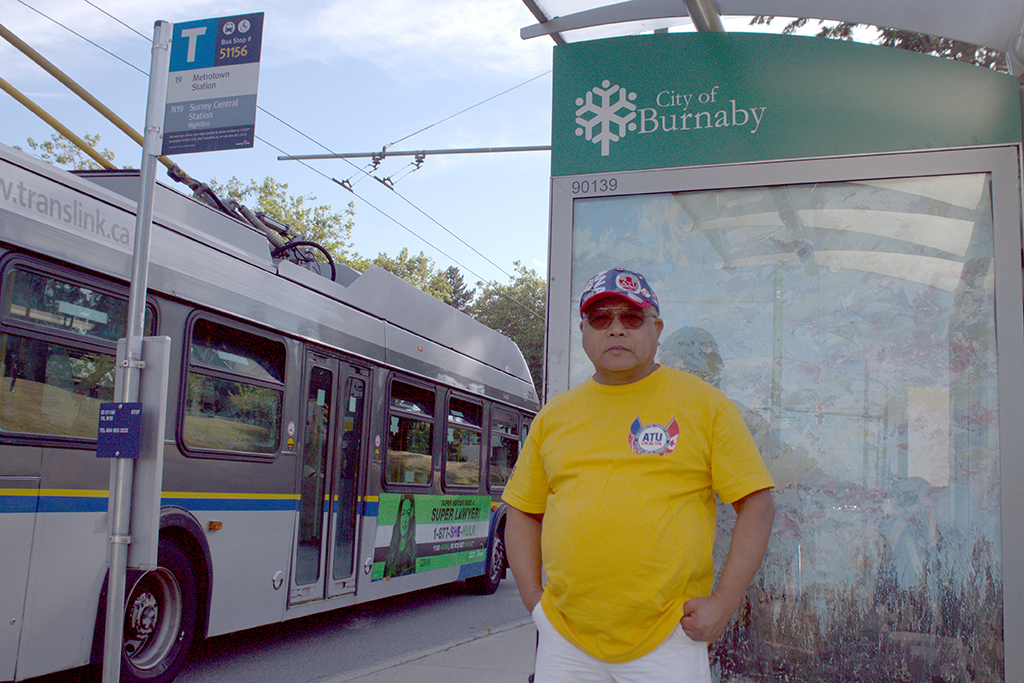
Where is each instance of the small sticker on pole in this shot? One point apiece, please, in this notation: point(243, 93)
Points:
point(120, 430)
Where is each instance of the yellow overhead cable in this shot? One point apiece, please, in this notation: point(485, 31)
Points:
point(57, 125)
point(27, 50)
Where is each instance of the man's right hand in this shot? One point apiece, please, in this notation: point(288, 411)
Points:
point(522, 544)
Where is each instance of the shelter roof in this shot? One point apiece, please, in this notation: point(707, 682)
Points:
point(996, 24)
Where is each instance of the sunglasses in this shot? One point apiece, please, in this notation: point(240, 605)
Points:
point(602, 318)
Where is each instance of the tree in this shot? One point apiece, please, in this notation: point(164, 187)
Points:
point(517, 310)
point(460, 297)
point(943, 47)
point(947, 48)
point(417, 270)
point(62, 152)
point(316, 222)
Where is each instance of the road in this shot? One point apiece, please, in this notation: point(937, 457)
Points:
point(329, 645)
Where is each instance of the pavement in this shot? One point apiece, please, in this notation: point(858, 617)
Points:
point(499, 655)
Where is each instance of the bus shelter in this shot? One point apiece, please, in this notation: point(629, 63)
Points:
point(834, 232)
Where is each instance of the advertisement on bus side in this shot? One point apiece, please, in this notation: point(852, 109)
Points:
point(418, 533)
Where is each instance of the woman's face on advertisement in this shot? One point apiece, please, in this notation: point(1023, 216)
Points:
point(404, 515)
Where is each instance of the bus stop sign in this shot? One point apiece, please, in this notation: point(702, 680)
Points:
point(211, 89)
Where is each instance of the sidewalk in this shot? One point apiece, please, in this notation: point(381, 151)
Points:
point(502, 655)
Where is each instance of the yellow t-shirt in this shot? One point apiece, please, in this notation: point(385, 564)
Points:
point(626, 477)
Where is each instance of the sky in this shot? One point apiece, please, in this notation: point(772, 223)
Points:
point(338, 76)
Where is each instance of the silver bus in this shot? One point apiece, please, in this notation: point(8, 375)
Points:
point(328, 441)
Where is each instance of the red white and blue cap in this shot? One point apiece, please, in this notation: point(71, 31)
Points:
point(620, 283)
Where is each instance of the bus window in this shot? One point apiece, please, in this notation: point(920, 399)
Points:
point(53, 389)
point(504, 446)
point(410, 434)
point(462, 461)
point(57, 354)
point(235, 390)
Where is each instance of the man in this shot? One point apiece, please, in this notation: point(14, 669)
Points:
point(614, 495)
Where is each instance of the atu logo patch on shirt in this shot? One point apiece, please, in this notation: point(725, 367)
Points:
point(653, 439)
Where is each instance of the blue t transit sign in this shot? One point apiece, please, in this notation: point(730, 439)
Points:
point(211, 92)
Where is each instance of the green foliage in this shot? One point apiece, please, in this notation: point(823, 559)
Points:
point(460, 297)
point(317, 222)
point(943, 47)
point(417, 270)
point(517, 310)
point(62, 152)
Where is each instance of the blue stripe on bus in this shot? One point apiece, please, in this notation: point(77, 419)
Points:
point(31, 504)
point(234, 504)
point(17, 504)
point(72, 504)
point(69, 503)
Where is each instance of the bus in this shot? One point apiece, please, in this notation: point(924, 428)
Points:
point(329, 440)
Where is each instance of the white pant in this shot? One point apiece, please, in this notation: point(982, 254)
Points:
point(678, 659)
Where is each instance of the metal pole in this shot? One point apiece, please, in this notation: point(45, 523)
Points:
point(128, 389)
point(705, 15)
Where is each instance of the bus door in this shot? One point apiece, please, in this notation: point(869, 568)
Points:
point(335, 404)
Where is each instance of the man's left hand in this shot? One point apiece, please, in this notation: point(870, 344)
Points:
point(706, 618)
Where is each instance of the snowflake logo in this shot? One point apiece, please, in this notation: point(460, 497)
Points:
point(610, 119)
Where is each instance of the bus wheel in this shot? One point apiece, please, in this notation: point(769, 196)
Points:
point(159, 619)
point(488, 583)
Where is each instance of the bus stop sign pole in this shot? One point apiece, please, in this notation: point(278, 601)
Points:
point(128, 389)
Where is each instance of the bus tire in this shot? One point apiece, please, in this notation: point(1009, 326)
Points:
point(160, 619)
point(495, 568)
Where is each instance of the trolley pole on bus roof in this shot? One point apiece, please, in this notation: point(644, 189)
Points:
point(122, 468)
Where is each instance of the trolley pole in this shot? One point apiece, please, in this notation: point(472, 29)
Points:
point(128, 389)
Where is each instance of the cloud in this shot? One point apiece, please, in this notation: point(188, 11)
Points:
point(408, 39)
point(417, 36)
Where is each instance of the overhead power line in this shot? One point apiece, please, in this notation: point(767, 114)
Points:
point(448, 118)
point(97, 46)
point(384, 153)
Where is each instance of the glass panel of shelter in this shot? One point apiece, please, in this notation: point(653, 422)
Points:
point(853, 324)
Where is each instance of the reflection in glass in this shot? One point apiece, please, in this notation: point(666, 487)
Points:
point(346, 498)
point(44, 300)
point(504, 447)
point(226, 415)
point(50, 388)
point(315, 452)
point(234, 395)
point(462, 458)
point(410, 435)
point(853, 324)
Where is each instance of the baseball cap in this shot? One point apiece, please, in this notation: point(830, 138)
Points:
point(621, 283)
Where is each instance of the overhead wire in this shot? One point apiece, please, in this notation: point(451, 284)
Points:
point(399, 223)
point(130, 28)
point(398, 194)
point(347, 184)
point(448, 118)
point(98, 47)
